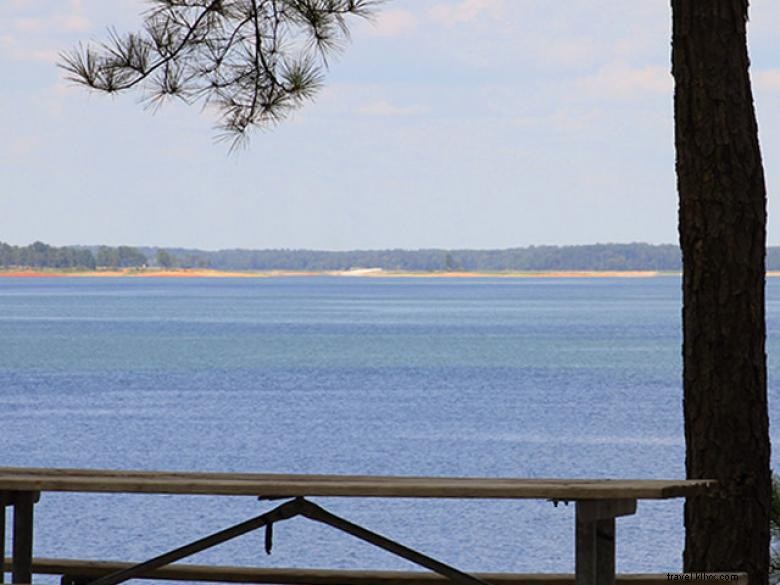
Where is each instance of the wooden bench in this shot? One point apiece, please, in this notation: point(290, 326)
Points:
point(79, 571)
point(598, 503)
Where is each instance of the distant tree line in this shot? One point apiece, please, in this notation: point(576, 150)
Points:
point(40, 255)
point(120, 257)
point(594, 257)
point(635, 256)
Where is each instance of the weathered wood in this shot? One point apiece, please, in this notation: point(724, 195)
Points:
point(2, 534)
point(283, 512)
point(602, 509)
point(314, 512)
point(226, 574)
point(8, 498)
point(595, 541)
point(290, 509)
point(21, 569)
point(598, 503)
point(285, 485)
point(605, 551)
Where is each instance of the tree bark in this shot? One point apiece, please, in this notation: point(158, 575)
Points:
point(722, 223)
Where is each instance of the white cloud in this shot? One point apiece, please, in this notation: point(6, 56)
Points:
point(618, 80)
point(385, 108)
point(564, 120)
point(12, 49)
point(466, 11)
point(28, 25)
point(74, 22)
point(23, 146)
point(767, 79)
point(30, 36)
point(393, 23)
point(567, 51)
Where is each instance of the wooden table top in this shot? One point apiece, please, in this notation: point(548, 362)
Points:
point(285, 485)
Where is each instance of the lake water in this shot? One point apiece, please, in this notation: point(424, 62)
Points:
point(468, 377)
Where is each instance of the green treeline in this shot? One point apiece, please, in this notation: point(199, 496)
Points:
point(595, 257)
point(635, 256)
point(120, 257)
point(40, 255)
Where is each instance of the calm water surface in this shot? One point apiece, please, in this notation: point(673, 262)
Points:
point(487, 377)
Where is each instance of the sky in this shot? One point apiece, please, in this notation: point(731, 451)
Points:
point(444, 123)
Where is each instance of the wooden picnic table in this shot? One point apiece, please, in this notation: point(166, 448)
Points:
point(598, 502)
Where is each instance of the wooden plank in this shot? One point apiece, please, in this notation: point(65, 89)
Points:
point(291, 485)
point(49, 473)
point(181, 572)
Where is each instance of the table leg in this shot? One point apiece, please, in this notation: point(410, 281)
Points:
point(2, 538)
point(23, 537)
point(595, 539)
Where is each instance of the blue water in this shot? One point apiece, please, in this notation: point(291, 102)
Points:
point(483, 377)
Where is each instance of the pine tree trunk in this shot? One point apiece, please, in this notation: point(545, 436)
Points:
point(723, 238)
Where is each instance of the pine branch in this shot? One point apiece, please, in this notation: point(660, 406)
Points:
point(256, 60)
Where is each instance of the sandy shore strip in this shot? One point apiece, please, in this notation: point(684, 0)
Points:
point(357, 272)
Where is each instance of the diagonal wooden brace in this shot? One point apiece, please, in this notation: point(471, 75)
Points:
point(297, 507)
point(314, 512)
point(283, 512)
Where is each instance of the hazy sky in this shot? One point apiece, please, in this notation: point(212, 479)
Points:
point(445, 123)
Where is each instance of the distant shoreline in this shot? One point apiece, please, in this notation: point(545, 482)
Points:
point(357, 272)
